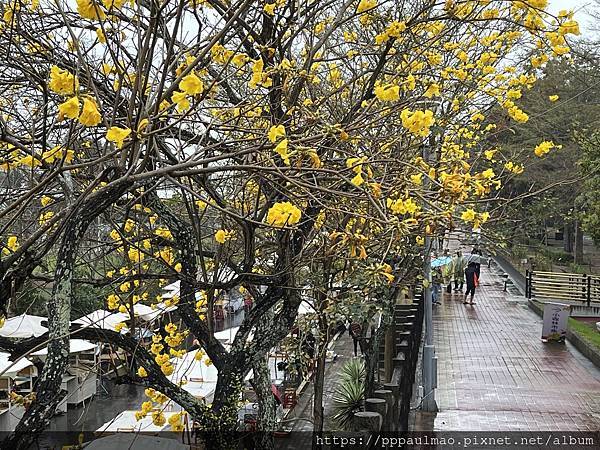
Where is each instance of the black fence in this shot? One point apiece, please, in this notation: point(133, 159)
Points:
point(566, 287)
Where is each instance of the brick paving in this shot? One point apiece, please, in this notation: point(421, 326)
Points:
point(495, 373)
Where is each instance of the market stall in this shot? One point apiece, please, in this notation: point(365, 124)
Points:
point(16, 377)
point(80, 381)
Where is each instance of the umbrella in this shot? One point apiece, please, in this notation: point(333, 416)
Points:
point(477, 259)
point(441, 261)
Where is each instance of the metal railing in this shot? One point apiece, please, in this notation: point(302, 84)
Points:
point(573, 287)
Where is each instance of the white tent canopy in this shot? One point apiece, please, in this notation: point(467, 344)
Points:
point(75, 346)
point(306, 307)
point(102, 319)
point(126, 422)
point(23, 326)
point(149, 314)
point(227, 336)
point(132, 441)
point(187, 368)
point(9, 368)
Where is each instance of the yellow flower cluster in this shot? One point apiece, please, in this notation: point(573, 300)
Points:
point(259, 77)
point(283, 214)
point(544, 147)
point(62, 81)
point(275, 134)
point(470, 215)
point(118, 135)
point(400, 206)
point(12, 244)
point(357, 165)
point(221, 236)
point(387, 93)
point(417, 122)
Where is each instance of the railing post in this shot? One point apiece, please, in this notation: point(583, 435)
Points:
point(527, 283)
point(589, 290)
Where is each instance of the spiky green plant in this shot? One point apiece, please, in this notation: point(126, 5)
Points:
point(349, 394)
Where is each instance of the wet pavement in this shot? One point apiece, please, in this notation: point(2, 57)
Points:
point(495, 373)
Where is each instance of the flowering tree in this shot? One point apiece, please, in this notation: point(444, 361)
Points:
point(238, 146)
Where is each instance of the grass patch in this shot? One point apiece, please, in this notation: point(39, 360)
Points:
point(586, 331)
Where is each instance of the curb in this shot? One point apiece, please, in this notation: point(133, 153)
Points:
point(587, 350)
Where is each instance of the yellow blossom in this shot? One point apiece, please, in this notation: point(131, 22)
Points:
point(389, 93)
point(90, 10)
point(117, 135)
point(69, 109)
point(275, 132)
point(62, 81)
point(544, 147)
point(191, 84)
point(283, 214)
point(417, 122)
point(468, 215)
point(553, 98)
point(180, 99)
point(222, 235)
point(12, 244)
point(142, 372)
point(365, 5)
point(282, 150)
point(90, 116)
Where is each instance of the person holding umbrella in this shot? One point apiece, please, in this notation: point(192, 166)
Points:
point(472, 282)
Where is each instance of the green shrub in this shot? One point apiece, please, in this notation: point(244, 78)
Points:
point(349, 394)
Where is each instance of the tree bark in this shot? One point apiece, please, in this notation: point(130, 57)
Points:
point(578, 257)
point(48, 390)
point(318, 383)
point(568, 237)
point(266, 421)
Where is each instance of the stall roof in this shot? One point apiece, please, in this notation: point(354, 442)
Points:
point(151, 314)
point(75, 346)
point(9, 368)
point(102, 319)
point(23, 326)
point(126, 422)
point(187, 368)
point(132, 441)
point(306, 307)
point(227, 335)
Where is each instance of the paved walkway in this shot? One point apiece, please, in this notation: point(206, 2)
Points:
point(495, 374)
point(303, 411)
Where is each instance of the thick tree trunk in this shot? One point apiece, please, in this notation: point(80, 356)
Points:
point(219, 428)
point(578, 253)
point(568, 237)
point(266, 420)
point(48, 390)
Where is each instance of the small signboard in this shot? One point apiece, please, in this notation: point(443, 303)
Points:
point(556, 316)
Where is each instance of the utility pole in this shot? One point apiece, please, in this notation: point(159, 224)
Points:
point(429, 358)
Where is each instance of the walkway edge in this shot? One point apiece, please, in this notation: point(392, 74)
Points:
point(578, 341)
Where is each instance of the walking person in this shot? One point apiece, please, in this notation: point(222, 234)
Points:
point(472, 281)
point(477, 251)
point(355, 330)
point(458, 268)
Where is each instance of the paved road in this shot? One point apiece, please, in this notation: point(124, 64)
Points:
point(494, 373)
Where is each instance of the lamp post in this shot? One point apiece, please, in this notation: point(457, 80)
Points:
point(429, 358)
